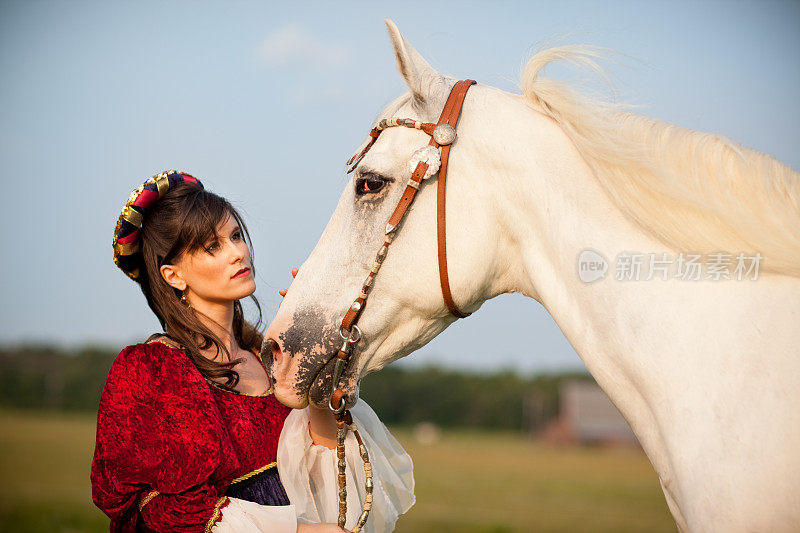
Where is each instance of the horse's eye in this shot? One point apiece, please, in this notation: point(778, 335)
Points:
point(369, 184)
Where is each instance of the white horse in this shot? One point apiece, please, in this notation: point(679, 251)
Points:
point(706, 371)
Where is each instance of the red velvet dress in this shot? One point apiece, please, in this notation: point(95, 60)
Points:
point(172, 447)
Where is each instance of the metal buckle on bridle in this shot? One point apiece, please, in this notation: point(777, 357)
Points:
point(350, 338)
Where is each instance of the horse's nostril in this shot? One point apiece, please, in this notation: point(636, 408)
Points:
point(272, 349)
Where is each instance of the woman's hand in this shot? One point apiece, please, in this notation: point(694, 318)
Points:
point(283, 292)
point(322, 426)
point(320, 528)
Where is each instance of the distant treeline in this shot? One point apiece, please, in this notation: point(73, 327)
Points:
point(451, 398)
point(47, 378)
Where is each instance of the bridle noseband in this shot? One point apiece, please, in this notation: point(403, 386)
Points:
point(428, 160)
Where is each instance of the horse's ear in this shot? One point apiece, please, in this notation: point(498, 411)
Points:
point(426, 84)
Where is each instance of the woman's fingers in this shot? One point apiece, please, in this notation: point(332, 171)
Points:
point(282, 292)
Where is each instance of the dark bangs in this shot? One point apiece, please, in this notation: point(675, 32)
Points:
point(203, 213)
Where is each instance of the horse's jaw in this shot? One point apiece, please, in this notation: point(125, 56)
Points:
point(302, 341)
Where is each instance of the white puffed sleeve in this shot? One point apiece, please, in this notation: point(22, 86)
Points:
point(242, 516)
point(309, 474)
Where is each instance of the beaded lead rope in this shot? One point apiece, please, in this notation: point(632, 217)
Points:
point(342, 423)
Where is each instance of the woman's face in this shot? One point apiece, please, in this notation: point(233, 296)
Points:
point(221, 271)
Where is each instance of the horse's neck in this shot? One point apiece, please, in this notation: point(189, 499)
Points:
point(552, 208)
point(643, 341)
point(558, 209)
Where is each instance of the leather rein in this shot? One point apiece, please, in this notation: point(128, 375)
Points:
point(428, 160)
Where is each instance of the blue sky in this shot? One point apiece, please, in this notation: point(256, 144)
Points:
point(264, 101)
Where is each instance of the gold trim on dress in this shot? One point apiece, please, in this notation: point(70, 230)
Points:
point(215, 515)
point(255, 472)
point(150, 495)
point(161, 340)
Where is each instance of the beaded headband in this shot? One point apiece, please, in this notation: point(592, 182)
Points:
point(127, 245)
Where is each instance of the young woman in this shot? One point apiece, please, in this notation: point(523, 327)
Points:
point(189, 435)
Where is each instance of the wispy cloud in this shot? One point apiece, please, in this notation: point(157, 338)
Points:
point(295, 46)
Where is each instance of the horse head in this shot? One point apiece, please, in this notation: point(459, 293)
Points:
point(534, 180)
point(405, 309)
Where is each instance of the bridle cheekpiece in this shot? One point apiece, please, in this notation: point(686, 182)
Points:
point(425, 162)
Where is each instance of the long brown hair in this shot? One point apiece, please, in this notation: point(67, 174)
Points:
point(183, 220)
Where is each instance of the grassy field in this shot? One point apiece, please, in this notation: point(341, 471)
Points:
point(466, 482)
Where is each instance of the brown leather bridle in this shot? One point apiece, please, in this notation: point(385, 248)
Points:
point(443, 134)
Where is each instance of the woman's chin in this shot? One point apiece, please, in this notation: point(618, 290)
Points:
point(247, 289)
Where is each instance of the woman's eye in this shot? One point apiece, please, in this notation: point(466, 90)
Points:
point(237, 236)
point(212, 247)
point(369, 184)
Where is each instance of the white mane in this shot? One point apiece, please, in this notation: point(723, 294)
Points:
point(695, 192)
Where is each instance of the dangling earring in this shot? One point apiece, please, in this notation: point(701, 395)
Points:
point(184, 300)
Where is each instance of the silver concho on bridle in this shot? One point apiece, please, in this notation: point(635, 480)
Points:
point(444, 134)
point(427, 154)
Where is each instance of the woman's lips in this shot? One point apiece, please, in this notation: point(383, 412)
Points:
point(242, 273)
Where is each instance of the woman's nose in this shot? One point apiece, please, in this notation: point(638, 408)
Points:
point(239, 252)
